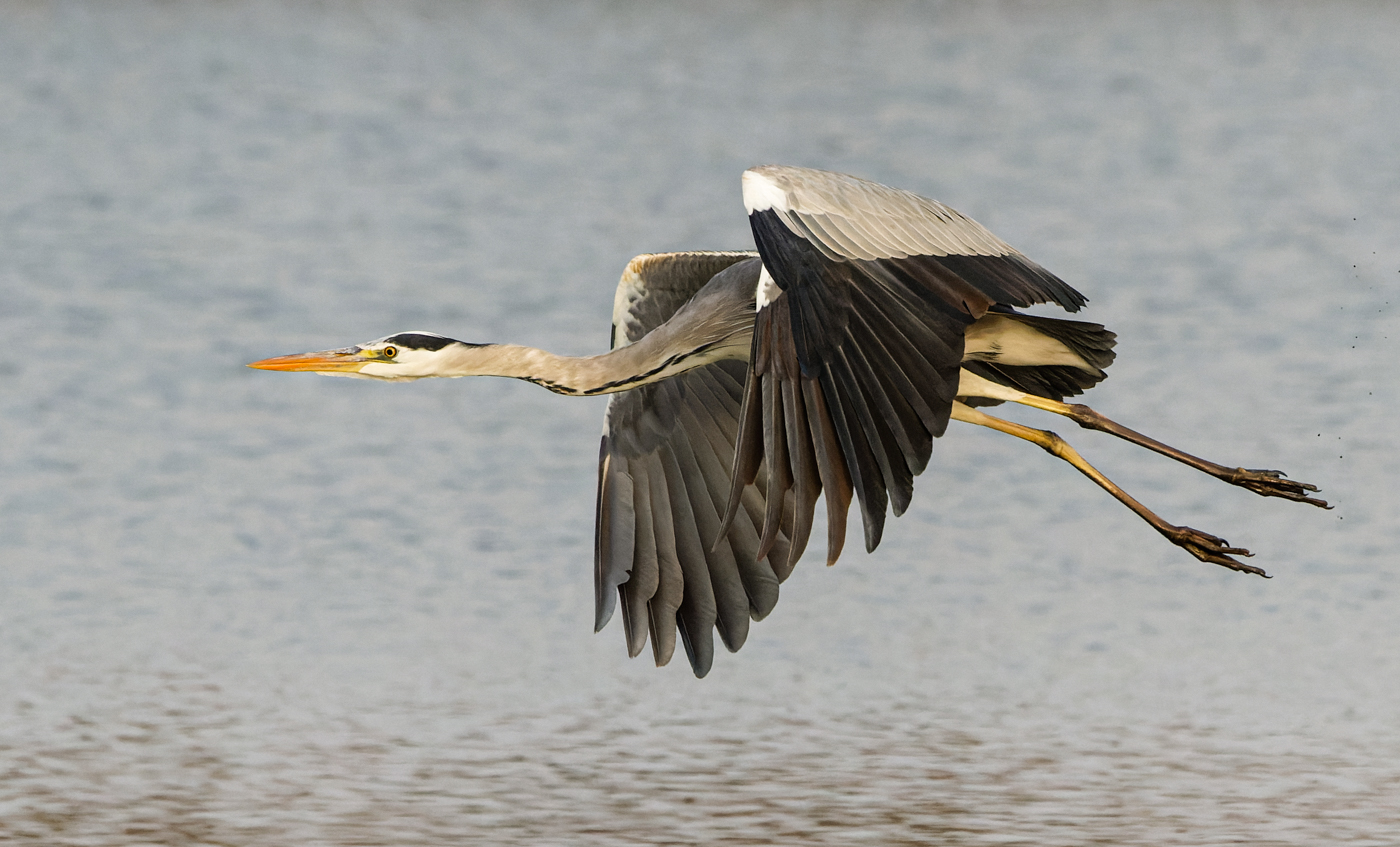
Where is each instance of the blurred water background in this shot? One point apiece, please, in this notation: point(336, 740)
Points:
point(263, 609)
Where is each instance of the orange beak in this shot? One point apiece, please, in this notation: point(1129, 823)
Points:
point(327, 361)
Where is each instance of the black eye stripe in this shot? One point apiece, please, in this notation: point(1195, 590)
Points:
point(417, 341)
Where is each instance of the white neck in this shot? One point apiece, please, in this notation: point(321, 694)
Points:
point(715, 324)
point(618, 370)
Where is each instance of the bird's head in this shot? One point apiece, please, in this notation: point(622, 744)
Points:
point(408, 355)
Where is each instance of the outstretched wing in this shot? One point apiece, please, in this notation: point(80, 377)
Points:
point(865, 295)
point(663, 477)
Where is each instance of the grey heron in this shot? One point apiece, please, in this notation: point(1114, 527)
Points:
point(746, 385)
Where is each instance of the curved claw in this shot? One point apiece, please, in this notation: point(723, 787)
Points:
point(1275, 484)
point(1210, 548)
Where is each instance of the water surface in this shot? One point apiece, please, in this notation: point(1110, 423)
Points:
point(250, 608)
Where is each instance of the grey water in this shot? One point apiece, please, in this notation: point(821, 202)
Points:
point(239, 607)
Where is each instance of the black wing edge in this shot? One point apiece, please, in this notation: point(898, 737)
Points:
point(659, 510)
point(853, 372)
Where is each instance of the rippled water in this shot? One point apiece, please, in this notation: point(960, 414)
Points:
point(250, 608)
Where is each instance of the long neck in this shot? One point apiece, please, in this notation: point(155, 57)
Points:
point(715, 324)
point(649, 360)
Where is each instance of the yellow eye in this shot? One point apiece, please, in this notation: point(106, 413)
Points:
point(389, 352)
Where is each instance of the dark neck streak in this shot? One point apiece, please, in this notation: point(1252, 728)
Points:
point(717, 323)
point(648, 360)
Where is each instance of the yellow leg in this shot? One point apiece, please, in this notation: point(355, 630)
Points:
point(1206, 547)
point(1262, 482)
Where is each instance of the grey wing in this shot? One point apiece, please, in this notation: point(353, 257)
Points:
point(663, 483)
point(858, 341)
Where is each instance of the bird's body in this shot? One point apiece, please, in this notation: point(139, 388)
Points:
point(746, 385)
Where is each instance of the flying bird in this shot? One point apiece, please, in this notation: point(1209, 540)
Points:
point(747, 385)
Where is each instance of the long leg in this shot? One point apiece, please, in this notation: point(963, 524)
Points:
point(1263, 482)
point(1206, 547)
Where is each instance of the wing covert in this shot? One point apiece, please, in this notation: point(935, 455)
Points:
point(848, 218)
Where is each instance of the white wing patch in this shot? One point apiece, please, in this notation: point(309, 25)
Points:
point(767, 290)
point(762, 193)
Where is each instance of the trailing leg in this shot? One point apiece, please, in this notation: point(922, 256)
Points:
point(1263, 482)
point(1204, 546)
